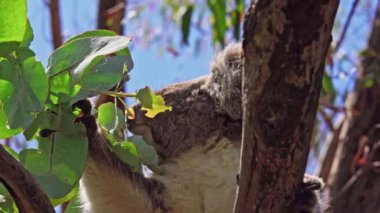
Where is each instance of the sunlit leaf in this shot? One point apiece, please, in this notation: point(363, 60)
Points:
point(74, 206)
point(127, 152)
point(151, 103)
point(12, 24)
point(328, 87)
point(28, 35)
point(69, 196)
point(112, 119)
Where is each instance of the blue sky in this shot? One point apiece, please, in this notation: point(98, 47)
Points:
point(151, 68)
point(157, 68)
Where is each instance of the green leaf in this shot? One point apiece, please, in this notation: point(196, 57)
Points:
point(74, 206)
point(147, 153)
point(151, 103)
point(112, 119)
point(28, 76)
point(218, 11)
point(60, 160)
point(11, 152)
point(12, 24)
point(101, 77)
point(28, 35)
point(127, 152)
point(185, 23)
point(236, 16)
point(75, 56)
point(69, 196)
point(6, 90)
point(5, 131)
point(62, 88)
point(6, 200)
point(328, 87)
point(93, 33)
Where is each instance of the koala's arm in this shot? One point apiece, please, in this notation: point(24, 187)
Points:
point(109, 185)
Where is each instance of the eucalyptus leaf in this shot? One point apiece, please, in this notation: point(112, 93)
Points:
point(28, 76)
point(13, 24)
point(92, 33)
point(186, 23)
point(328, 87)
point(112, 119)
point(105, 74)
point(127, 152)
point(6, 200)
point(218, 11)
point(62, 88)
point(151, 103)
point(5, 131)
point(147, 153)
point(60, 160)
point(75, 56)
point(28, 35)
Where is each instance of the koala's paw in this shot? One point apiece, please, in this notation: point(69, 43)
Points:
point(312, 197)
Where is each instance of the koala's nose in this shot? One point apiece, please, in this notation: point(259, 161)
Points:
point(137, 119)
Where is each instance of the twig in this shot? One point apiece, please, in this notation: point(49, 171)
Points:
point(346, 25)
point(111, 93)
point(55, 23)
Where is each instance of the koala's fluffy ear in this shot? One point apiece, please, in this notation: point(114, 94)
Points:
point(224, 84)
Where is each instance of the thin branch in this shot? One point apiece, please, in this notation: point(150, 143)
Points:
point(346, 25)
point(111, 93)
point(55, 23)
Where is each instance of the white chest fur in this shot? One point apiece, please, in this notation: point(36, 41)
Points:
point(204, 178)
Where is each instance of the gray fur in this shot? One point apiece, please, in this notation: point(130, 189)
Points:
point(203, 108)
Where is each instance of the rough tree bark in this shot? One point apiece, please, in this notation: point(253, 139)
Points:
point(285, 43)
point(23, 187)
point(356, 184)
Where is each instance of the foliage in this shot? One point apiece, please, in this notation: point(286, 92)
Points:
point(39, 102)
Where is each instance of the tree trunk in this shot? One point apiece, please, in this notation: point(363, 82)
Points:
point(285, 44)
point(110, 14)
point(356, 185)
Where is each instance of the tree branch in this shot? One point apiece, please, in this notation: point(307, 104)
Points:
point(110, 14)
point(55, 23)
point(25, 190)
point(283, 68)
point(346, 25)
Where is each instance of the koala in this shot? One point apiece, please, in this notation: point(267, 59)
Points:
point(198, 144)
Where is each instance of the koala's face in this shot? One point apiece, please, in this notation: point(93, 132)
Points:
point(140, 124)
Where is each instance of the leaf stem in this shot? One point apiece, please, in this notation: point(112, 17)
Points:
point(111, 93)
